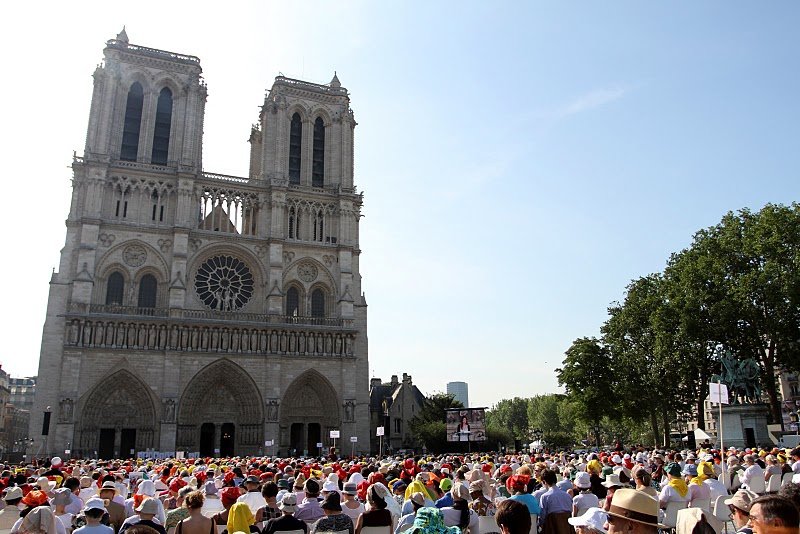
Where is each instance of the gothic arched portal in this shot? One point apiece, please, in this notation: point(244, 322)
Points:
point(118, 417)
point(221, 412)
point(309, 411)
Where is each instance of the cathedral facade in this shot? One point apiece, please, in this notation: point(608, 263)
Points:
point(201, 312)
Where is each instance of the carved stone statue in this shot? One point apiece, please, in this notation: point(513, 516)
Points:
point(169, 411)
point(272, 410)
point(349, 411)
point(65, 411)
point(741, 377)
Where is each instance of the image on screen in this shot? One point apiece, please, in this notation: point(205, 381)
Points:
point(466, 424)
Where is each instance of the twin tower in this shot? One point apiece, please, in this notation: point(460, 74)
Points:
point(201, 312)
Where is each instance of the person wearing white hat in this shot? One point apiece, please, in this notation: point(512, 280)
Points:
point(592, 521)
point(93, 510)
point(146, 513)
point(10, 514)
point(585, 499)
point(147, 488)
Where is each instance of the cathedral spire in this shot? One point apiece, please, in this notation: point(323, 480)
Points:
point(123, 36)
point(335, 81)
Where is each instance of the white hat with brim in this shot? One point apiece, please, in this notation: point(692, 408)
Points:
point(593, 518)
point(148, 506)
point(288, 503)
point(612, 481)
point(45, 483)
point(13, 493)
point(95, 503)
point(636, 506)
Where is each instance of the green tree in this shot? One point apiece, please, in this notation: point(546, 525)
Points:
point(429, 426)
point(511, 414)
point(745, 273)
point(588, 378)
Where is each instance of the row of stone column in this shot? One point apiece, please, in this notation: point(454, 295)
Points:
point(154, 336)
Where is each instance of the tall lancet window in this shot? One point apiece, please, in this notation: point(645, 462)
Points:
point(295, 141)
point(133, 121)
point(162, 126)
point(318, 164)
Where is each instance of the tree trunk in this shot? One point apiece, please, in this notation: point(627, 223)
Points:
point(654, 427)
point(665, 421)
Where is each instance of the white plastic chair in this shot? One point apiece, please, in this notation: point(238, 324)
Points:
point(487, 524)
point(725, 478)
point(773, 484)
point(721, 511)
point(403, 528)
point(787, 479)
point(376, 530)
point(757, 485)
point(736, 483)
point(671, 512)
point(221, 528)
point(534, 523)
point(703, 504)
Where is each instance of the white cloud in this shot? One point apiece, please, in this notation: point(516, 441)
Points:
point(594, 99)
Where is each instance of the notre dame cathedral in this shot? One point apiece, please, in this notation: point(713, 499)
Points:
point(201, 312)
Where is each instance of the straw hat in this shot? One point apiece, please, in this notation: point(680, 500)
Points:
point(635, 506)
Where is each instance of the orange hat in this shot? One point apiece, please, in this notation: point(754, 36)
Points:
point(35, 498)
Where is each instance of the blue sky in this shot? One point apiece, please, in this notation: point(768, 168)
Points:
point(521, 161)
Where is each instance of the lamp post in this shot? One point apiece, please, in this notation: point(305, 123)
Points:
point(794, 417)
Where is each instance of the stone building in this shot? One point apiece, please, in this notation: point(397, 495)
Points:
point(196, 311)
point(22, 392)
point(393, 405)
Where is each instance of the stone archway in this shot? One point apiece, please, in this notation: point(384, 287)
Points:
point(221, 411)
point(309, 411)
point(118, 417)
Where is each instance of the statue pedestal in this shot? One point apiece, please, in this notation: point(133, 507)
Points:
point(745, 425)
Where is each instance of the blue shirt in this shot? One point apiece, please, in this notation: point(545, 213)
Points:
point(447, 500)
point(555, 500)
point(530, 501)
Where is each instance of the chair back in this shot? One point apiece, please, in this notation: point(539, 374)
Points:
point(402, 528)
point(725, 478)
point(703, 504)
point(735, 482)
point(774, 484)
point(377, 530)
point(534, 523)
point(221, 528)
point(757, 485)
point(487, 524)
point(671, 512)
point(721, 510)
point(787, 478)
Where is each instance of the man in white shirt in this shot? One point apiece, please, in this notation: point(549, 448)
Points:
point(796, 460)
point(752, 470)
point(253, 497)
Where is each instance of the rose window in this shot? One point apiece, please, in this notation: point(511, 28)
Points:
point(224, 283)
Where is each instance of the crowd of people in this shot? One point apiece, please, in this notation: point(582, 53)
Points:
point(604, 492)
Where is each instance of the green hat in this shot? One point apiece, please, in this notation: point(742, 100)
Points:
point(673, 469)
point(446, 484)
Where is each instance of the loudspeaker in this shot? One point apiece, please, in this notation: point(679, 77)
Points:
point(46, 424)
point(691, 443)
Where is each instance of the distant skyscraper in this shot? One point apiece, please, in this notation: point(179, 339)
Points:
point(460, 390)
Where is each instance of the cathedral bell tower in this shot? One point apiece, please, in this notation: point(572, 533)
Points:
point(200, 312)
